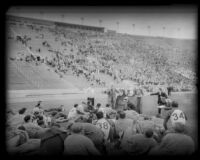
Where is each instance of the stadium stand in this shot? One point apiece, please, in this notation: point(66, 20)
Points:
point(51, 55)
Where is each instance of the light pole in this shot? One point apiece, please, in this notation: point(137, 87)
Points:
point(133, 28)
point(163, 31)
point(42, 14)
point(149, 29)
point(82, 20)
point(18, 10)
point(178, 29)
point(117, 26)
point(62, 17)
point(100, 22)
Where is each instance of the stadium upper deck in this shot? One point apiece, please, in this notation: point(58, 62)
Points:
point(91, 59)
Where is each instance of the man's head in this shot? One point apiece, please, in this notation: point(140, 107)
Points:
point(38, 104)
point(111, 115)
point(55, 125)
point(99, 115)
point(76, 128)
point(125, 99)
point(22, 128)
point(149, 133)
point(22, 111)
point(75, 105)
point(53, 113)
point(88, 102)
point(98, 105)
point(174, 104)
point(61, 107)
point(40, 122)
point(121, 114)
point(40, 117)
point(27, 118)
point(36, 111)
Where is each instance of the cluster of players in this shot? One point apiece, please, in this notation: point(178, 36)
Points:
point(87, 129)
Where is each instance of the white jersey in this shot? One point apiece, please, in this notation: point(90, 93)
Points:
point(105, 110)
point(102, 109)
point(177, 116)
point(72, 113)
point(104, 126)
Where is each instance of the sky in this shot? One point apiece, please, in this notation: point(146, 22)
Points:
point(166, 21)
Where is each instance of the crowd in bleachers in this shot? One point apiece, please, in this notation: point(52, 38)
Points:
point(120, 57)
point(92, 130)
point(89, 129)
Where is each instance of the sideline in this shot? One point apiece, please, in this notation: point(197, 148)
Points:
point(14, 96)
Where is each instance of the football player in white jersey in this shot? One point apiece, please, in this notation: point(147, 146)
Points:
point(103, 124)
point(175, 116)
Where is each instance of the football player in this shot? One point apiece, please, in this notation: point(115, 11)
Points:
point(175, 116)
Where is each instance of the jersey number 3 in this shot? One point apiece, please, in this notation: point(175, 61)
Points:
point(176, 117)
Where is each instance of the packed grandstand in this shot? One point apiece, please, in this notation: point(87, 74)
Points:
point(100, 58)
point(51, 56)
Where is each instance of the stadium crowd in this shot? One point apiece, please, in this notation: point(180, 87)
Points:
point(118, 128)
point(121, 57)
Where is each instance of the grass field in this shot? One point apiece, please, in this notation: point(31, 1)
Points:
point(187, 103)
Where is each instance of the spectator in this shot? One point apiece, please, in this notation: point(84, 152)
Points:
point(33, 130)
point(131, 114)
point(73, 112)
point(18, 118)
point(78, 144)
point(175, 116)
point(161, 99)
point(52, 141)
point(93, 133)
point(175, 143)
point(139, 144)
point(122, 123)
point(104, 125)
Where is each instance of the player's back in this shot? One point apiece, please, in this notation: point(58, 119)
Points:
point(104, 125)
point(123, 124)
point(176, 144)
point(177, 116)
point(78, 145)
point(91, 131)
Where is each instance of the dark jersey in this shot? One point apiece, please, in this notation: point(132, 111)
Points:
point(160, 95)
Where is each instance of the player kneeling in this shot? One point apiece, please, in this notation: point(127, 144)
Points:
point(175, 115)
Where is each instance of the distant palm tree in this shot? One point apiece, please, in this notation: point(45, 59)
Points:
point(82, 20)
